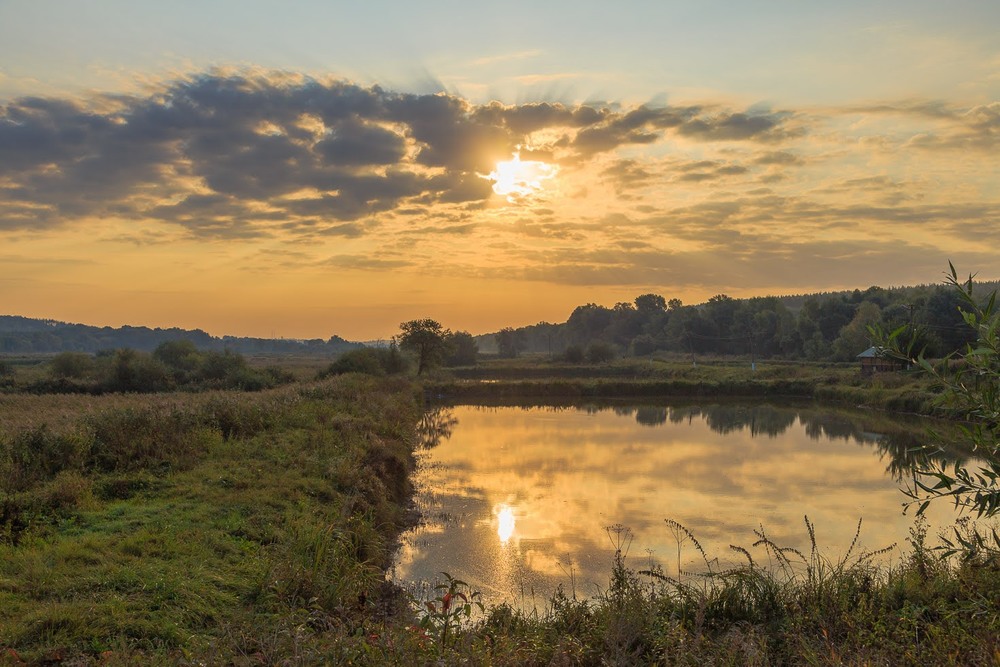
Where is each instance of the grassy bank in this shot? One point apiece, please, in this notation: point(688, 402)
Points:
point(537, 378)
point(207, 528)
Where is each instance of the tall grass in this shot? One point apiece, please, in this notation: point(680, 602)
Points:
point(773, 606)
point(213, 528)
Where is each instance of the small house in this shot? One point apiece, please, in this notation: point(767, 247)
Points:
point(876, 360)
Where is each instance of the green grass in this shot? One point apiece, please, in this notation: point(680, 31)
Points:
point(216, 528)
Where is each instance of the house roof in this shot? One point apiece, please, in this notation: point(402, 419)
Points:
point(873, 351)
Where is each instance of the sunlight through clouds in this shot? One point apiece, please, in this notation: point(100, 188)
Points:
point(518, 179)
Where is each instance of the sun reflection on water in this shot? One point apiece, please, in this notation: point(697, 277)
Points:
point(505, 523)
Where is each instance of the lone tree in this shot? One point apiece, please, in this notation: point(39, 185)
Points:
point(427, 340)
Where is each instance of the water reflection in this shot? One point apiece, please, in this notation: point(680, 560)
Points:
point(505, 523)
point(516, 498)
point(434, 426)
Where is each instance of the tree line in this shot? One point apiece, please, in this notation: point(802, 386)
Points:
point(24, 335)
point(826, 327)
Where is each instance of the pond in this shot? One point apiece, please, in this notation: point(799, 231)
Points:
point(518, 500)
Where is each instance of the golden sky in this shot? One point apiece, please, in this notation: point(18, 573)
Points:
point(326, 169)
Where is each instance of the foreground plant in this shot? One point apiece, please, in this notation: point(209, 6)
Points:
point(970, 390)
point(451, 608)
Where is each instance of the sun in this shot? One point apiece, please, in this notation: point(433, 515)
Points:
point(518, 179)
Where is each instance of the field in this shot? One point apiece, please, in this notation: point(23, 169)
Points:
point(230, 527)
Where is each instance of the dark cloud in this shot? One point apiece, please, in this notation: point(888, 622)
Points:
point(736, 127)
point(354, 143)
point(777, 157)
point(709, 170)
point(627, 174)
point(238, 154)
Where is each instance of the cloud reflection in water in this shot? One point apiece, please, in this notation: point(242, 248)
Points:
point(547, 482)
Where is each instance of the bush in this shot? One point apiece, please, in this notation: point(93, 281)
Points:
point(74, 365)
point(220, 368)
point(181, 356)
point(643, 344)
point(135, 438)
point(600, 352)
point(369, 361)
point(133, 371)
point(35, 454)
point(574, 354)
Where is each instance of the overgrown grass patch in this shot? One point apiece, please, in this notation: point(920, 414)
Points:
point(178, 525)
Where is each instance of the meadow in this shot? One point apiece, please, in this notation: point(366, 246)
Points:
point(213, 527)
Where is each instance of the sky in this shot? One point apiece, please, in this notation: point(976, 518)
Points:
point(307, 169)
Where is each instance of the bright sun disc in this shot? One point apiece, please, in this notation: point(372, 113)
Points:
point(516, 178)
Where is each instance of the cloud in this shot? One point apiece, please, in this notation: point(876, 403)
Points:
point(241, 156)
point(231, 154)
point(709, 170)
point(765, 127)
point(366, 263)
point(946, 127)
point(783, 158)
point(977, 129)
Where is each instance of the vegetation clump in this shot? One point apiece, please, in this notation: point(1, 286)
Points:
point(173, 365)
point(369, 361)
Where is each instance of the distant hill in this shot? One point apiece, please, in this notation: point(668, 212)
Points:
point(24, 335)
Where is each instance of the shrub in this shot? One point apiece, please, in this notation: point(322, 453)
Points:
point(32, 455)
point(369, 361)
point(600, 352)
point(643, 344)
point(180, 354)
point(218, 367)
point(75, 365)
point(135, 438)
point(132, 371)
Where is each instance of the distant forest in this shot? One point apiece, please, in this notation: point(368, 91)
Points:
point(23, 335)
point(821, 327)
point(828, 326)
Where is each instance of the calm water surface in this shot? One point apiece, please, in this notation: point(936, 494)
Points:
point(519, 500)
